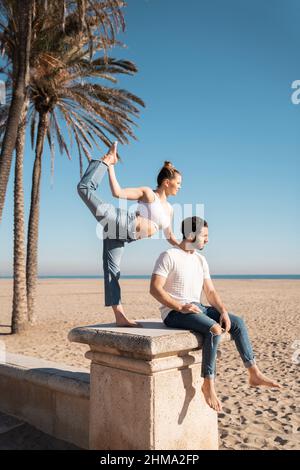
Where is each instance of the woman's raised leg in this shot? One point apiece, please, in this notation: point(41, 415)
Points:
point(87, 187)
point(110, 217)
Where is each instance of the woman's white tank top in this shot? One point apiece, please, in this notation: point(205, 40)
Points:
point(155, 212)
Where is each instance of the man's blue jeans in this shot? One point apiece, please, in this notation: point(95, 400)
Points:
point(202, 323)
point(118, 228)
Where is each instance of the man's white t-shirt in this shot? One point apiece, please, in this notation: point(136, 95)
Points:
point(185, 273)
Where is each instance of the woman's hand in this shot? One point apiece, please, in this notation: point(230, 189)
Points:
point(132, 194)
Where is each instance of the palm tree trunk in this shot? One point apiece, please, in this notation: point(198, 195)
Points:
point(21, 65)
point(33, 226)
point(19, 309)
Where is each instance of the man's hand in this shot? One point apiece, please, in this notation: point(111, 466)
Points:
point(190, 308)
point(225, 320)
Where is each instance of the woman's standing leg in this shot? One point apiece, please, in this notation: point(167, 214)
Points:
point(112, 256)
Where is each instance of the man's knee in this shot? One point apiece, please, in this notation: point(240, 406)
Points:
point(216, 329)
point(238, 323)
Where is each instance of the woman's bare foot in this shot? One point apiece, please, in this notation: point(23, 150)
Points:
point(257, 378)
point(122, 320)
point(111, 157)
point(209, 392)
point(129, 323)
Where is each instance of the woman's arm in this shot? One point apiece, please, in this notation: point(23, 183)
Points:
point(169, 233)
point(142, 193)
point(171, 237)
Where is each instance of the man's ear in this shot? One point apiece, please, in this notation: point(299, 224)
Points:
point(191, 237)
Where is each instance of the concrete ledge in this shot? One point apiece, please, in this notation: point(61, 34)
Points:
point(154, 340)
point(146, 388)
point(51, 396)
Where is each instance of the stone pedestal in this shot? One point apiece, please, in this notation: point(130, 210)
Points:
point(146, 388)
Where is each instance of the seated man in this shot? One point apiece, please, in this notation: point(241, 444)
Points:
point(178, 277)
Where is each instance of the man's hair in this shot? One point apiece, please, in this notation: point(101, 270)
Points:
point(192, 226)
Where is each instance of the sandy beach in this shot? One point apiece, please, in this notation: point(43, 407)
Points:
point(251, 418)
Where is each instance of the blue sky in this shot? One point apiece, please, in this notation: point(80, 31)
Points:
point(216, 78)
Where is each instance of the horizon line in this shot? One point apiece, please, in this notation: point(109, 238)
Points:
point(83, 276)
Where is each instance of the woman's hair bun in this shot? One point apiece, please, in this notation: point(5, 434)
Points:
point(168, 165)
point(168, 171)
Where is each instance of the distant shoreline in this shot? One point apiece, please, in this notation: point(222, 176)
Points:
point(215, 276)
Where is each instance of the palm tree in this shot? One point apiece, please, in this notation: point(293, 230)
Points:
point(92, 112)
point(106, 14)
point(18, 19)
point(19, 307)
point(16, 35)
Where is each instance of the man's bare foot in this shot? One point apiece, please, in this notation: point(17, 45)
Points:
point(111, 157)
point(258, 379)
point(208, 389)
